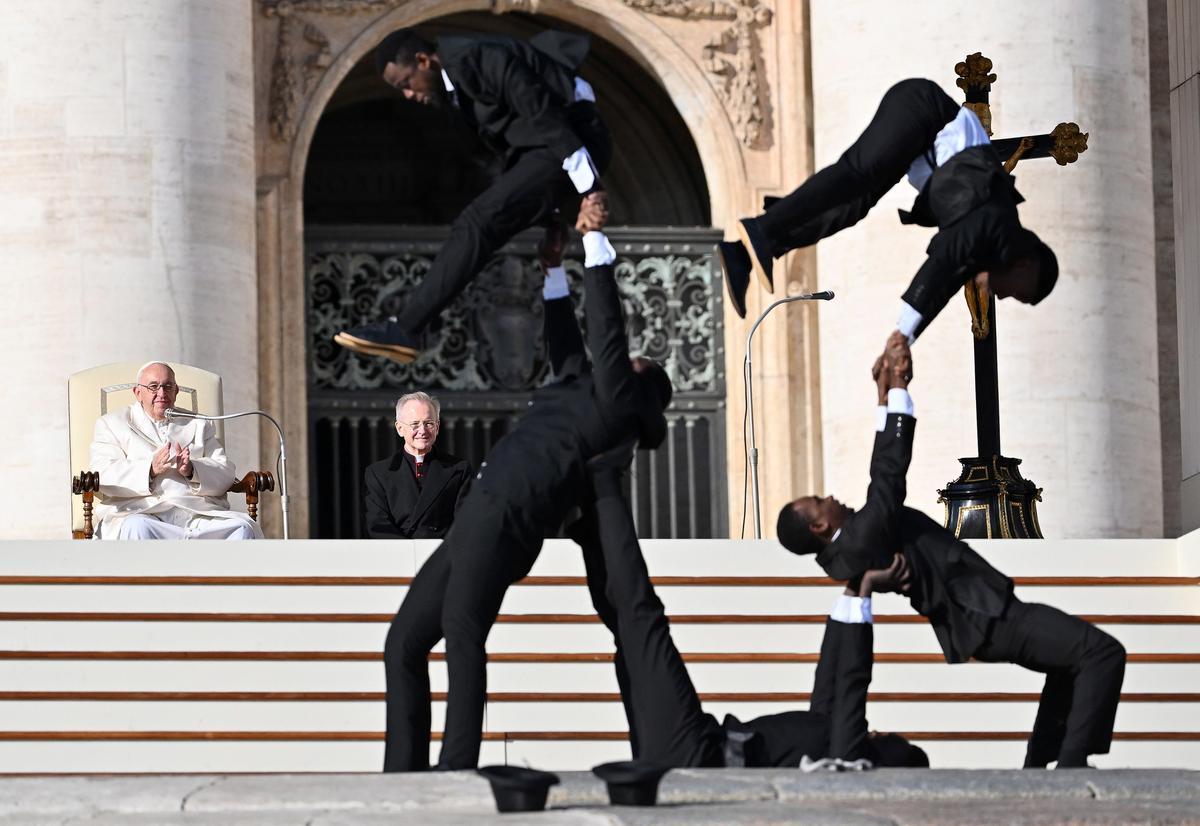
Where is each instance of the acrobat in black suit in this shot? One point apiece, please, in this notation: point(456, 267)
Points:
point(528, 105)
point(667, 725)
point(532, 478)
point(969, 603)
point(963, 190)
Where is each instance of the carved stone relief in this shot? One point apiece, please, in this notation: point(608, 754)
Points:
point(732, 56)
point(302, 49)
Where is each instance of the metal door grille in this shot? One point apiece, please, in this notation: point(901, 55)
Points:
point(485, 355)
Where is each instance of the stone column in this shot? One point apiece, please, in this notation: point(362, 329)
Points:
point(126, 217)
point(1078, 373)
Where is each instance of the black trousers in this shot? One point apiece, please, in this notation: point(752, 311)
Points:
point(414, 631)
point(455, 596)
point(525, 195)
point(585, 532)
point(909, 117)
point(840, 686)
point(668, 726)
point(1084, 669)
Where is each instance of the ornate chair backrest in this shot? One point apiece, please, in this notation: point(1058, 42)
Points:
point(99, 390)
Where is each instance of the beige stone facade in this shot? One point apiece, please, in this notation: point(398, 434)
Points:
point(135, 169)
point(736, 127)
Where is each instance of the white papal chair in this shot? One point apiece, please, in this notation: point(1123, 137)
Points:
point(96, 391)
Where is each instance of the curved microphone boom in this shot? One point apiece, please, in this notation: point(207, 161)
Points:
point(174, 413)
point(752, 447)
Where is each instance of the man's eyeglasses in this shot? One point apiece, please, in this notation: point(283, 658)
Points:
point(170, 388)
point(414, 426)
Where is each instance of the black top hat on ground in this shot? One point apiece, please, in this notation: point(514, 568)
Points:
point(631, 782)
point(518, 789)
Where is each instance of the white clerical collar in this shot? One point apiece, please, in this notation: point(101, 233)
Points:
point(446, 80)
point(836, 534)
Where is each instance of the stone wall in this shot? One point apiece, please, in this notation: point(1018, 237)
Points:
point(1078, 374)
point(126, 217)
point(1184, 27)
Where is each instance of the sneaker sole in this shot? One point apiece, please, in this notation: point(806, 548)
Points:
point(395, 352)
point(738, 307)
point(756, 266)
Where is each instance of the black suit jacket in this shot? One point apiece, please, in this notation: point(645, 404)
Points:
point(519, 94)
point(973, 202)
point(952, 586)
point(395, 507)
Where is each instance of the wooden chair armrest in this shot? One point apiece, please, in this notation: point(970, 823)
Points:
point(85, 484)
point(252, 484)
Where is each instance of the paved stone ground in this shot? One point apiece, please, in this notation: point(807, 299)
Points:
point(889, 797)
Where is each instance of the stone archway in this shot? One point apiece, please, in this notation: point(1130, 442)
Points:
point(306, 48)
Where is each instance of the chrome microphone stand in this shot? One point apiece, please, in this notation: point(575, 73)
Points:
point(173, 413)
point(824, 295)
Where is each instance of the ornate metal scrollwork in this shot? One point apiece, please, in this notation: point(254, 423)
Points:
point(490, 338)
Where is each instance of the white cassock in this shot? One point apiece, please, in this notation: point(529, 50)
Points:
point(131, 506)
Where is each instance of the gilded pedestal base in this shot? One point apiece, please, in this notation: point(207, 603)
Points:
point(991, 500)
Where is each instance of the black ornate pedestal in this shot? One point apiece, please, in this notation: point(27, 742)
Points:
point(990, 500)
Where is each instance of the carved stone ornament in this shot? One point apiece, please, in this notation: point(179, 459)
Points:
point(292, 74)
point(732, 56)
point(1069, 143)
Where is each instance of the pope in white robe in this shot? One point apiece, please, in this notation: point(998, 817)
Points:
point(163, 479)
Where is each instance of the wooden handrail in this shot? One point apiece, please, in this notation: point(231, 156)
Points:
point(554, 696)
point(665, 581)
point(503, 657)
point(370, 736)
point(527, 619)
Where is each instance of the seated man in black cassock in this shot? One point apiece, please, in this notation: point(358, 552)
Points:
point(415, 493)
point(963, 190)
point(532, 478)
point(529, 105)
point(970, 604)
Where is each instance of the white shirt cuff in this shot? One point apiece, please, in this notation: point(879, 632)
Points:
point(909, 321)
point(555, 285)
point(899, 402)
point(597, 250)
point(581, 170)
point(880, 418)
point(584, 90)
point(852, 610)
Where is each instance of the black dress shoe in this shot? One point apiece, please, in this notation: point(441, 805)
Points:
point(517, 789)
point(761, 260)
point(631, 782)
point(382, 338)
point(735, 266)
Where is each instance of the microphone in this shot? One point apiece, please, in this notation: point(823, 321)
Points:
point(173, 413)
point(752, 447)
